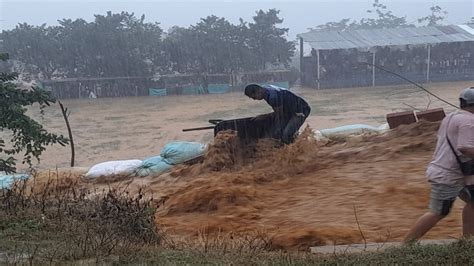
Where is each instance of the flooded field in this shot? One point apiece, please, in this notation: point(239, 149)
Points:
point(305, 194)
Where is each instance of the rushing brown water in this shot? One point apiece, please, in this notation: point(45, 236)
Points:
point(305, 194)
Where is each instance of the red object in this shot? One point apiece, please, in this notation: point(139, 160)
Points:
point(401, 118)
point(431, 115)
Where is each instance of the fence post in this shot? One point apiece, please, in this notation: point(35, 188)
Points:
point(319, 72)
point(373, 68)
point(301, 61)
point(428, 64)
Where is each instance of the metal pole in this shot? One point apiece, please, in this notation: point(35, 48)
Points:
point(428, 64)
point(319, 72)
point(373, 68)
point(301, 61)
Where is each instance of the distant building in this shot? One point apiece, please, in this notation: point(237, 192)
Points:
point(422, 54)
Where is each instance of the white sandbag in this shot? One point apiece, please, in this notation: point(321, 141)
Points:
point(113, 168)
point(383, 127)
point(319, 136)
point(347, 130)
point(181, 151)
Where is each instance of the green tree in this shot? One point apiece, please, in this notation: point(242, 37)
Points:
point(177, 47)
point(27, 136)
point(243, 56)
point(110, 46)
point(39, 47)
point(340, 25)
point(213, 45)
point(435, 18)
point(267, 41)
point(115, 44)
point(384, 18)
point(120, 44)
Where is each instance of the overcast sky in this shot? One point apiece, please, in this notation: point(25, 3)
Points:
point(297, 15)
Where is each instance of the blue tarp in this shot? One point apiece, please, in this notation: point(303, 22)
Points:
point(7, 180)
point(193, 90)
point(181, 151)
point(172, 153)
point(153, 166)
point(218, 88)
point(157, 92)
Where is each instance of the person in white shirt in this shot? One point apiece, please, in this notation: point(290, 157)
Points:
point(454, 149)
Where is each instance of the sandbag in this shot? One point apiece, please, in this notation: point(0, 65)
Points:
point(347, 130)
point(113, 168)
point(7, 180)
point(153, 166)
point(180, 151)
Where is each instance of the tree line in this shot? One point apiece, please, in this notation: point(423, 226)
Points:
point(121, 44)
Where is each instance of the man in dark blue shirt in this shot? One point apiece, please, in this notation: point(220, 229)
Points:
point(289, 110)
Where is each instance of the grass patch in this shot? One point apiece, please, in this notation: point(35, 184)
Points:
point(56, 222)
point(459, 253)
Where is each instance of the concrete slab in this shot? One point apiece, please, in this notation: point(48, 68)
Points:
point(371, 247)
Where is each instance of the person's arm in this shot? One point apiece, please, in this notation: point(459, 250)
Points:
point(262, 117)
point(469, 152)
point(466, 140)
point(278, 110)
point(275, 101)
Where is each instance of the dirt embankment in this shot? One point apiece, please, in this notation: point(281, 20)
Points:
point(305, 194)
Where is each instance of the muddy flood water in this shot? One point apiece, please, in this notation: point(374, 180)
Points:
point(305, 194)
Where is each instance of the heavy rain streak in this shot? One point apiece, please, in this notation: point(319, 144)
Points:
point(241, 132)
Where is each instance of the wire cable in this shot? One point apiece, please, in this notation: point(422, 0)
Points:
point(412, 82)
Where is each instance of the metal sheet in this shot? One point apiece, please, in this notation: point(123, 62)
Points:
point(332, 40)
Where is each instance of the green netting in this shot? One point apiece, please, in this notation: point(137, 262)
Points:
point(193, 90)
point(157, 92)
point(218, 88)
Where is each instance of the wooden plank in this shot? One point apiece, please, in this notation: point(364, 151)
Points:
point(431, 115)
point(401, 118)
